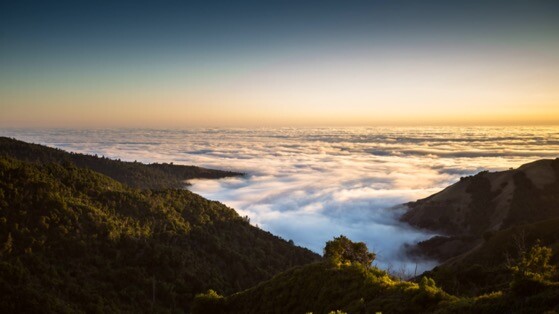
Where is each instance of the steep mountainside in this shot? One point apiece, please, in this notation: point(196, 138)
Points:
point(487, 221)
point(477, 206)
point(134, 174)
point(491, 201)
point(73, 240)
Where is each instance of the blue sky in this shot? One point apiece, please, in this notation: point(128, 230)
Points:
point(70, 62)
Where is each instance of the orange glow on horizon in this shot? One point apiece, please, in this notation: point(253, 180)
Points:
point(297, 92)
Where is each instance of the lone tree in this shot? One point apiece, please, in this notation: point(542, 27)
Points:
point(533, 270)
point(343, 250)
point(535, 264)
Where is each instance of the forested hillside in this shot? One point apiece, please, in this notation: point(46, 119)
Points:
point(73, 240)
point(486, 268)
point(134, 174)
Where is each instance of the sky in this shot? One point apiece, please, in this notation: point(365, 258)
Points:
point(177, 64)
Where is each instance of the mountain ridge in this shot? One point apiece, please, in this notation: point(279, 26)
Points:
point(134, 174)
point(486, 201)
point(486, 220)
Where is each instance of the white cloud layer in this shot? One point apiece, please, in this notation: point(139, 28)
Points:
point(310, 185)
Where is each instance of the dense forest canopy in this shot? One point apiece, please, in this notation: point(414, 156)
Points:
point(73, 240)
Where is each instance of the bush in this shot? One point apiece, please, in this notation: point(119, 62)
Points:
point(209, 302)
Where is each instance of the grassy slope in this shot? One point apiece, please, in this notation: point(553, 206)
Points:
point(134, 174)
point(495, 202)
point(324, 287)
point(491, 201)
point(73, 240)
point(532, 215)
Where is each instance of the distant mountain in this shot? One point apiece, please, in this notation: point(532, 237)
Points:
point(491, 201)
point(485, 203)
point(133, 174)
point(73, 240)
point(485, 221)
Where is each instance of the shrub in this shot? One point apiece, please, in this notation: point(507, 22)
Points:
point(209, 302)
point(533, 270)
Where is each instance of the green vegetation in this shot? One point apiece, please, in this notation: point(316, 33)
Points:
point(487, 268)
point(329, 286)
point(341, 250)
point(490, 221)
point(535, 265)
point(351, 287)
point(533, 271)
point(133, 174)
point(533, 289)
point(73, 240)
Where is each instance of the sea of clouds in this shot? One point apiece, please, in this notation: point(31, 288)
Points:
point(309, 185)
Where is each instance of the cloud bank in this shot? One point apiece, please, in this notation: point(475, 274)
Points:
point(310, 185)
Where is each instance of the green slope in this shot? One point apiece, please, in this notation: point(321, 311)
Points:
point(485, 268)
point(134, 174)
point(324, 287)
point(327, 287)
point(73, 240)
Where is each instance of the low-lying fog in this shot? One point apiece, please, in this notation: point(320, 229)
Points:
point(309, 185)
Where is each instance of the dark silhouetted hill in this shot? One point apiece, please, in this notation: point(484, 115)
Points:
point(491, 201)
point(134, 174)
point(477, 206)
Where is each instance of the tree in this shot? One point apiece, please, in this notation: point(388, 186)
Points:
point(533, 270)
point(343, 250)
point(535, 264)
